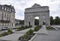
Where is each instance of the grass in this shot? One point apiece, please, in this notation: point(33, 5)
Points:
point(23, 27)
point(37, 28)
point(29, 34)
point(9, 31)
point(50, 28)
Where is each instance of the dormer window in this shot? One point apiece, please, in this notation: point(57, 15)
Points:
point(0, 6)
point(12, 9)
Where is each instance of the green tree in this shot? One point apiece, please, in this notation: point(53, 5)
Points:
point(22, 22)
point(51, 20)
point(57, 20)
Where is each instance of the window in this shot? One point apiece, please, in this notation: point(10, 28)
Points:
point(10, 10)
point(12, 24)
point(2, 7)
point(2, 15)
point(5, 8)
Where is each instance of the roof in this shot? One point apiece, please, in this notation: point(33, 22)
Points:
point(9, 6)
point(36, 5)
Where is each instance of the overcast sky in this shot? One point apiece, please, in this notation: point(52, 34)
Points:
point(20, 5)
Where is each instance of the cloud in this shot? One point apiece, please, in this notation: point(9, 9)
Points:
point(20, 5)
point(20, 17)
point(55, 8)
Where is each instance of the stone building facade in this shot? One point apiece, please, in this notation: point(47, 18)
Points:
point(36, 10)
point(7, 16)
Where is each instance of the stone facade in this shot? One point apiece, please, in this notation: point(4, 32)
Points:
point(36, 10)
point(7, 16)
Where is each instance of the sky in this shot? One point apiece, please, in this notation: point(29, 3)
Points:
point(20, 5)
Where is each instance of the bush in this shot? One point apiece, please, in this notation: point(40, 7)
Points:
point(9, 31)
point(22, 27)
point(26, 26)
point(0, 35)
point(4, 34)
point(19, 28)
point(50, 28)
point(30, 26)
point(25, 36)
point(30, 32)
point(37, 28)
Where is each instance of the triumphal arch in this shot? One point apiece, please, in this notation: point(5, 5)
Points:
point(36, 10)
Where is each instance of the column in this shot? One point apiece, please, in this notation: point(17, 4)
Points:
point(32, 21)
point(40, 20)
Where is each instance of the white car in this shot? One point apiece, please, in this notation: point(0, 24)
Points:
point(4, 28)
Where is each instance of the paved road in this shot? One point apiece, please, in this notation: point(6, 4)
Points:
point(42, 30)
point(53, 35)
point(14, 36)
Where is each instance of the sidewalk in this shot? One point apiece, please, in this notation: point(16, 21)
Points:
point(47, 35)
point(41, 34)
point(42, 30)
point(14, 36)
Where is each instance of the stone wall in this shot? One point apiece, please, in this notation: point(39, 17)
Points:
point(7, 16)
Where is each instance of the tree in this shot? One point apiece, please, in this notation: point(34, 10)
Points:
point(51, 20)
point(57, 20)
point(22, 22)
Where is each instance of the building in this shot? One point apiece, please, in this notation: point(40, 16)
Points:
point(36, 10)
point(7, 16)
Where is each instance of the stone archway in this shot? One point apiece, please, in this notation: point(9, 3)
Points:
point(36, 10)
point(36, 20)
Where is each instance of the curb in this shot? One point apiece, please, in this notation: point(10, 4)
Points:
point(33, 37)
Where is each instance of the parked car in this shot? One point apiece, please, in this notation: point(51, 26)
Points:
point(4, 28)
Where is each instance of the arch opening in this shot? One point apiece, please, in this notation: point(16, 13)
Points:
point(36, 20)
